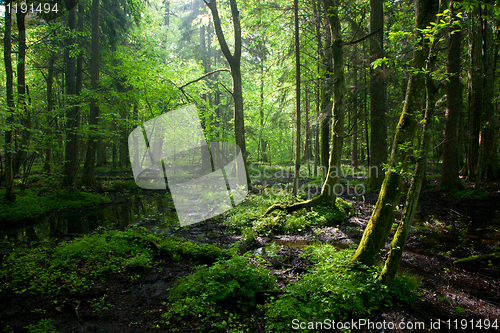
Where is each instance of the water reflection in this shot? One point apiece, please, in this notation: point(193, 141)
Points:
point(158, 208)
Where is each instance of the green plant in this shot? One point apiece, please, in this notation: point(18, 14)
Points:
point(43, 326)
point(227, 283)
point(335, 290)
point(100, 304)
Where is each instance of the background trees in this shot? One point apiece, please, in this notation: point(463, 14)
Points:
point(153, 57)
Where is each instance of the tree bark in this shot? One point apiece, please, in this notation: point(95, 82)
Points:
point(234, 61)
point(379, 226)
point(297, 99)
point(476, 71)
point(450, 179)
point(71, 148)
point(9, 87)
point(397, 245)
point(328, 194)
point(25, 114)
point(378, 122)
point(88, 176)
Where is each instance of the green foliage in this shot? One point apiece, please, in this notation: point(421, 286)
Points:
point(228, 283)
point(43, 326)
point(32, 203)
point(247, 218)
point(334, 290)
point(76, 264)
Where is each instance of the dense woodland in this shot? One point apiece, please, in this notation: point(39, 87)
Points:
point(344, 111)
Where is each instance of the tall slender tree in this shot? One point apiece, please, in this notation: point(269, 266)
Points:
point(88, 177)
point(71, 148)
point(297, 99)
point(234, 60)
point(449, 177)
point(9, 87)
point(378, 122)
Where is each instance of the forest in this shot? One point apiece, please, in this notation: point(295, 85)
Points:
point(249, 166)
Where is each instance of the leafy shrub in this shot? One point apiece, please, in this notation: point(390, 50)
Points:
point(333, 290)
point(228, 283)
point(43, 326)
point(248, 215)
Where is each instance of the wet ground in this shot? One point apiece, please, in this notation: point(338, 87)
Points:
point(455, 297)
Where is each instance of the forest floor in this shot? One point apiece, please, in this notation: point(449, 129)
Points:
point(456, 296)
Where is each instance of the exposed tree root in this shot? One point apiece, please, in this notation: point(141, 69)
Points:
point(296, 206)
point(474, 258)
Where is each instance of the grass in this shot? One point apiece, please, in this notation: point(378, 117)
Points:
point(33, 203)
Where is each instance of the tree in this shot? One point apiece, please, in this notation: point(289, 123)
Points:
point(378, 135)
point(297, 98)
point(88, 177)
point(379, 226)
point(9, 86)
point(22, 103)
point(449, 177)
point(71, 148)
point(234, 61)
point(328, 194)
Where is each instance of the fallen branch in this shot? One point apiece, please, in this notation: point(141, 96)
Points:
point(296, 206)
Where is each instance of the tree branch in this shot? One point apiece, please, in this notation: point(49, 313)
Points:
point(204, 76)
point(363, 38)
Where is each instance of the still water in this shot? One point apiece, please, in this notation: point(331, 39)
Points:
point(158, 209)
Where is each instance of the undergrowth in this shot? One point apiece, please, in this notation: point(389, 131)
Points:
point(247, 218)
point(226, 285)
point(335, 291)
point(33, 203)
point(77, 264)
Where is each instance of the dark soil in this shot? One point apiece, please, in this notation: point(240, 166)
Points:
point(454, 294)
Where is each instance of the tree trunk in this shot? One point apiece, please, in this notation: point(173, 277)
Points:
point(71, 148)
point(475, 93)
point(328, 191)
point(9, 86)
point(297, 99)
point(22, 152)
point(489, 124)
point(378, 122)
point(234, 61)
point(88, 176)
point(47, 168)
point(379, 226)
point(449, 177)
point(397, 245)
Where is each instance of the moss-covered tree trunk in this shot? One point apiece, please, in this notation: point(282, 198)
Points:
point(397, 245)
point(379, 226)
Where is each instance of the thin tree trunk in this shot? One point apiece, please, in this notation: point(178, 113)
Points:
point(9, 86)
point(71, 148)
point(234, 61)
point(297, 99)
point(475, 93)
point(22, 152)
point(88, 176)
